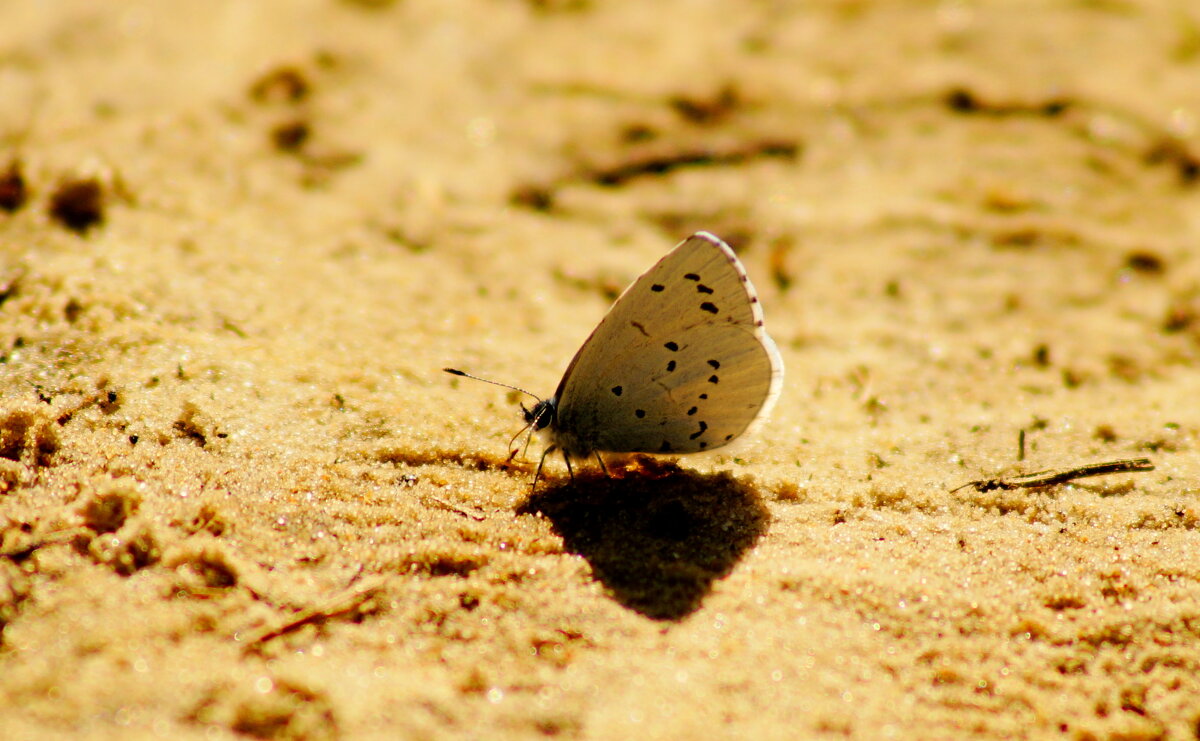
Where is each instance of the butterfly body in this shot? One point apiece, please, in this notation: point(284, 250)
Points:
point(680, 364)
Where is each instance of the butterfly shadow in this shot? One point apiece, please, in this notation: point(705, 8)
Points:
point(657, 537)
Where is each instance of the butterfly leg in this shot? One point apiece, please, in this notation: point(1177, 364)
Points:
point(538, 474)
point(567, 460)
point(603, 467)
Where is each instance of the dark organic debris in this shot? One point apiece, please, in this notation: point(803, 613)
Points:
point(13, 190)
point(78, 205)
point(1054, 476)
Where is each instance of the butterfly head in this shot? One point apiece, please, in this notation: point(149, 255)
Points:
point(542, 415)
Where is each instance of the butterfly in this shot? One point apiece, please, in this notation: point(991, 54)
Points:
point(681, 364)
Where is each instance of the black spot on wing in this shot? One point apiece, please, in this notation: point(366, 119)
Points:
point(703, 396)
point(728, 438)
point(714, 364)
point(713, 379)
point(701, 288)
point(709, 306)
point(638, 326)
point(693, 410)
point(692, 276)
point(639, 413)
point(703, 444)
point(666, 447)
point(672, 347)
point(657, 287)
point(617, 390)
point(670, 366)
point(699, 432)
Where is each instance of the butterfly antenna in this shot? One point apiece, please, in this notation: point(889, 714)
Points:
point(464, 374)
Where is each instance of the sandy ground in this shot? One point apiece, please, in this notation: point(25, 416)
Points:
point(238, 242)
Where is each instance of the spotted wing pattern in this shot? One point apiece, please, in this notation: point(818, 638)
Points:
point(680, 364)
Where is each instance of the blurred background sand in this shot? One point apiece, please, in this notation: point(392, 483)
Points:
point(238, 241)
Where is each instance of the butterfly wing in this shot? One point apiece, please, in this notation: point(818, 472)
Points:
point(680, 364)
